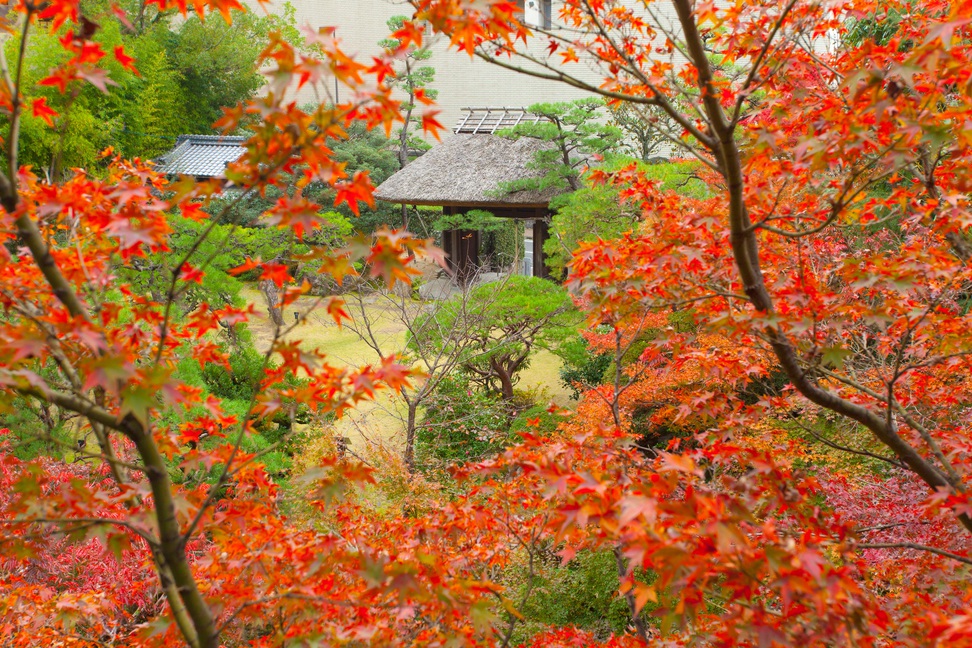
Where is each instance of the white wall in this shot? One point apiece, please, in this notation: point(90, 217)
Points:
point(461, 81)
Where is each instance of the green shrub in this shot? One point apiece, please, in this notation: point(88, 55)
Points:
point(241, 380)
point(546, 424)
point(581, 365)
point(582, 593)
point(461, 423)
point(683, 321)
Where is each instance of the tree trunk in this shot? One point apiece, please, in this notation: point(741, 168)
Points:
point(410, 425)
point(506, 383)
point(272, 294)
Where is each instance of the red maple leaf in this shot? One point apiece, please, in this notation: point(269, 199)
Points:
point(39, 108)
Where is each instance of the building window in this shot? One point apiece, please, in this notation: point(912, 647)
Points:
point(537, 13)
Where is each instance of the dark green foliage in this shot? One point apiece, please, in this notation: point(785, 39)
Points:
point(35, 431)
point(582, 593)
point(461, 423)
point(366, 150)
point(363, 150)
point(242, 380)
point(630, 355)
point(474, 219)
point(504, 246)
point(651, 436)
point(878, 29)
point(582, 369)
point(771, 384)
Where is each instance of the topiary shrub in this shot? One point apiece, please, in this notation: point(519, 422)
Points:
point(241, 381)
point(243, 377)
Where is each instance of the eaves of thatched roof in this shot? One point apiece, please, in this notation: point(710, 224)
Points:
point(467, 170)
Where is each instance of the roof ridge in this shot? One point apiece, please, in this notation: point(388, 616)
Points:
point(229, 140)
point(486, 120)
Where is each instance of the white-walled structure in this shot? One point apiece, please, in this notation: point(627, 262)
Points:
point(460, 80)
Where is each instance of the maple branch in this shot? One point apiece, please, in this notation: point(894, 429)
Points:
point(202, 633)
point(909, 420)
point(895, 525)
point(531, 549)
point(84, 523)
point(199, 631)
point(13, 86)
point(29, 312)
point(917, 547)
point(641, 628)
point(215, 489)
point(745, 250)
point(658, 99)
point(295, 596)
point(892, 402)
point(79, 452)
point(172, 293)
point(758, 61)
point(9, 195)
point(862, 453)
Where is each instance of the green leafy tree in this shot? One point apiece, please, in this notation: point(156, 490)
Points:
point(596, 211)
point(646, 130)
point(577, 134)
point(520, 316)
point(182, 73)
point(412, 77)
point(373, 152)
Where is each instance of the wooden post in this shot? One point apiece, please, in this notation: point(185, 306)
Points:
point(541, 233)
point(467, 258)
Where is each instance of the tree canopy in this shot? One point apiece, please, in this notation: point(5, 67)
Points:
point(187, 71)
point(503, 324)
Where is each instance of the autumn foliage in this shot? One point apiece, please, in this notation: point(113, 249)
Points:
point(785, 460)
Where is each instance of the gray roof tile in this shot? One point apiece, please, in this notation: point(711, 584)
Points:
point(202, 156)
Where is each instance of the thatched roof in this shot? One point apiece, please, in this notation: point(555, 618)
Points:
point(467, 170)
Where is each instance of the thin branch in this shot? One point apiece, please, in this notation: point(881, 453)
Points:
point(84, 523)
point(916, 547)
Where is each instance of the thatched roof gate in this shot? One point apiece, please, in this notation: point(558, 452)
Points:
point(465, 172)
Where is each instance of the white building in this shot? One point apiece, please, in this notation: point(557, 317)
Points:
point(460, 80)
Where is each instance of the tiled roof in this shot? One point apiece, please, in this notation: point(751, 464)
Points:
point(202, 156)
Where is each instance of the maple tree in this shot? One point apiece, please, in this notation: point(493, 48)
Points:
point(833, 248)
point(816, 491)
